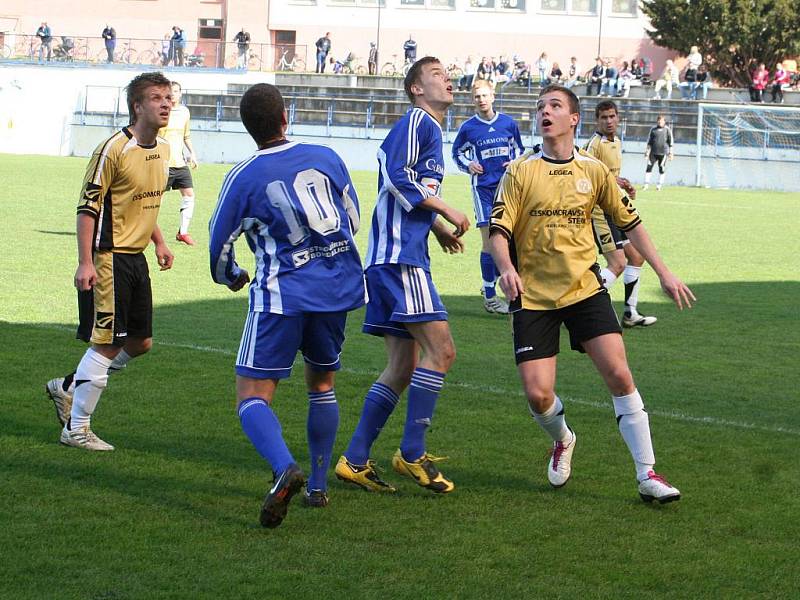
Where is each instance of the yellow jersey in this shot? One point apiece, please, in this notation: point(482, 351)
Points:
point(122, 190)
point(176, 133)
point(608, 152)
point(543, 206)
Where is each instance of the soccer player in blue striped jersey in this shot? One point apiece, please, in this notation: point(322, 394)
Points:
point(485, 144)
point(404, 307)
point(297, 207)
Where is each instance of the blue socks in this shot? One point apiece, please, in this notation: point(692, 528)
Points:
point(378, 405)
point(261, 426)
point(323, 421)
point(488, 274)
point(422, 395)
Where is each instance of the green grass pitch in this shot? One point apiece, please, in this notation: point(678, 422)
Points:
point(172, 513)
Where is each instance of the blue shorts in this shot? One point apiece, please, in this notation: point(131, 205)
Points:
point(270, 343)
point(482, 199)
point(399, 294)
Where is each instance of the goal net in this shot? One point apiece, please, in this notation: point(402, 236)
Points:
point(748, 146)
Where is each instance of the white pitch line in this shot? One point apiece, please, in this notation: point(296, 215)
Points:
point(672, 414)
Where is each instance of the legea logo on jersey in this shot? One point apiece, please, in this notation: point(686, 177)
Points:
point(432, 165)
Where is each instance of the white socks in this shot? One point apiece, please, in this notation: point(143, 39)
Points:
point(661, 178)
point(187, 210)
point(90, 377)
point(552, 421)
point(608, 277)
point(630, 277)
point(647, 178)
point(634, 425)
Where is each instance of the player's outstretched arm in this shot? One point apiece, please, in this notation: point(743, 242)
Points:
point(163, 253)
point(673, 287)
point(510, 281)
point(450, 214)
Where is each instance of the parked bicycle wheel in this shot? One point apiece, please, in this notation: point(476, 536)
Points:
point(388, 70)
point(149, 57)
point(298, 65)
point(254, 62)
point(361, 70)
point(5, 52)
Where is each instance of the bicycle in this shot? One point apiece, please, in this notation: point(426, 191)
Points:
point(390, 69)
point(152, 56)
point(6, 52)
point(127, 55)
point(296, 64)
point(233, 61)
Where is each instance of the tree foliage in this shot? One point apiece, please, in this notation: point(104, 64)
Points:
point(732, 35)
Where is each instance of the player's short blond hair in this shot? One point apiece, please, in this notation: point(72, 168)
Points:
point(482, 83)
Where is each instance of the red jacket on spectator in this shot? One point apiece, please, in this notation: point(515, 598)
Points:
point(782, 77)
point(760, 79)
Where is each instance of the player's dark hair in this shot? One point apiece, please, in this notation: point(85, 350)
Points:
point(604, 105)
point(180, 87)
point(138, 86)
point(261, 109)
point(414, 74)
point(572, 99)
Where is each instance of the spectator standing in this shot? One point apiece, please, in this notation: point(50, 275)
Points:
point(595, 77)
point(178, 45)
point(502, 69)
point(759, 83)
point(323, 47)
point(45, 36)
point(702, 81)
point(668, 79)
point(166, 50)
point(780, 81)
point(372, 60)
point(410, 50)
point(573, 73)
point(695, 58)
point(543, 66)
point(242, 40)
point(109, 36)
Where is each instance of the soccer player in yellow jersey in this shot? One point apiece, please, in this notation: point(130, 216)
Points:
point(542, 243)
point(178, 134)
point(117, 220)
point(613, 243)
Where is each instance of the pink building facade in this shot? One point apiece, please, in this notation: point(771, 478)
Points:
point(449, 29)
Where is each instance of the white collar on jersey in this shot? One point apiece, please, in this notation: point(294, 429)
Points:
point(494, 118)
point(275, 149)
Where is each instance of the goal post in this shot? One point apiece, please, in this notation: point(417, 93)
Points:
point(748, 146)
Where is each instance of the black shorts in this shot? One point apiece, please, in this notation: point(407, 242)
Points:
point(607, 236)
point(180, 178)
point(657, 159)
point(120, 305)
point(536, 332)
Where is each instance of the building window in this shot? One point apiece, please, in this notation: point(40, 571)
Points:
point(585, 6)
point(451, 4)
point(481, 3)
point(554, 5)
point(412, 2)
point(624, 7)
point(512, 4)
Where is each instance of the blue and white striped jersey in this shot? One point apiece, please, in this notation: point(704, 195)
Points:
point(411, 169)
point(492, 143)
point(297, 207)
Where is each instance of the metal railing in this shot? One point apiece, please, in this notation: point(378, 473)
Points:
point(157, 53)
